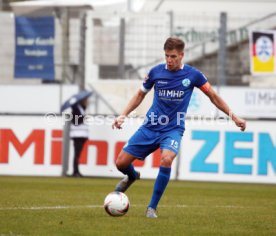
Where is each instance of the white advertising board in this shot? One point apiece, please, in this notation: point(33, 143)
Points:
point(41, 99)
point(33, 146)
point(34, 99)
point(251, 102)
point(29, 146)
point(218, 151)
point(210, 150)
point(246, 102)
point(200, 105)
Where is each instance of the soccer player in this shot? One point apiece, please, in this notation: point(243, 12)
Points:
point(164, 124)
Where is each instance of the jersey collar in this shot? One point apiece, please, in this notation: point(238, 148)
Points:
point(182, 66)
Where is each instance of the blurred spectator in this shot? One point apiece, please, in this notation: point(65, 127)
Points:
point(78, 133)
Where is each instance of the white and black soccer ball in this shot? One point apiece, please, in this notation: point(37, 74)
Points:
point(116, 204)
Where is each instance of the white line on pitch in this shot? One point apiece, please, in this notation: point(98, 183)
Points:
point(34, 208)
point(48, 207)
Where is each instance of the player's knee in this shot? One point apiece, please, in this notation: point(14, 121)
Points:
point(120, 164)
point(166, 161)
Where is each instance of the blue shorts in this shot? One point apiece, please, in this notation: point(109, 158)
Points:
point(145, 141)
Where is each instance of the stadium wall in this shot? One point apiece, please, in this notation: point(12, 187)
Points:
point(212, 150)
point(34, 99)
point(250, 103)
point(253, 103)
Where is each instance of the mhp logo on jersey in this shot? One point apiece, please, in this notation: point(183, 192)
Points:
point(170, 93)
point(186, 82)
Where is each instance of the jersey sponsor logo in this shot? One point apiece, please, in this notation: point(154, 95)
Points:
point(186, 82)
point(171, 93)
point(162, 82)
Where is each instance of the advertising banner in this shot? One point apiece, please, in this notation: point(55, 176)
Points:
point(33, 146)
point(211, 150)
point(262, 48)
point(257, 103)
point(218, 151)
point(34, 46)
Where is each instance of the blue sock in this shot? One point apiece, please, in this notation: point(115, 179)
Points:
point(160, 185)
point(130, 172)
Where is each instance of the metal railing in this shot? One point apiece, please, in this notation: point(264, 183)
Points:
point(99, 98)
point(234, 37)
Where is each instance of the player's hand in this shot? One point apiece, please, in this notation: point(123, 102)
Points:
point(240, 123)
point(118, 122)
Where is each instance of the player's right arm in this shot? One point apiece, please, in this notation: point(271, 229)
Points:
point(135, 101)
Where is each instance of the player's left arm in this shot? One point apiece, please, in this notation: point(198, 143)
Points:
point(221, 104)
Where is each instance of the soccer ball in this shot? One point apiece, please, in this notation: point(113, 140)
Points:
point(116, 204)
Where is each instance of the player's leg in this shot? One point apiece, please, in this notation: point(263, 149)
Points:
point(167, 157)
point(124, 164)
point(140, 145)
point(169, 144)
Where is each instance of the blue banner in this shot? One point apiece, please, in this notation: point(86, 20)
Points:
point(34, 46)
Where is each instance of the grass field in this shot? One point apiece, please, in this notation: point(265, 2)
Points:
point(70, 206)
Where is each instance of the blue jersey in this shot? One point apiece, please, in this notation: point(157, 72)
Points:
point(172, 94)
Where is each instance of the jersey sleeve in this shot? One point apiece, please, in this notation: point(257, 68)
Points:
point(201, 82)
point(148, 82)
point(200, 79)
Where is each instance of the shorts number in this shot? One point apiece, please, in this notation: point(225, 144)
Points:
point(174, 144)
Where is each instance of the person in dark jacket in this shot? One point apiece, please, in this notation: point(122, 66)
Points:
point(78, 133)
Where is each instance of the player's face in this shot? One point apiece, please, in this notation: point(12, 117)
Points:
point(173, 59)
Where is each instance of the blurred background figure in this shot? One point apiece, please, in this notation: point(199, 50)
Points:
point(79, 131)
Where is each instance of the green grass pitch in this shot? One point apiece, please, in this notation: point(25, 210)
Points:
point(73, 206)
